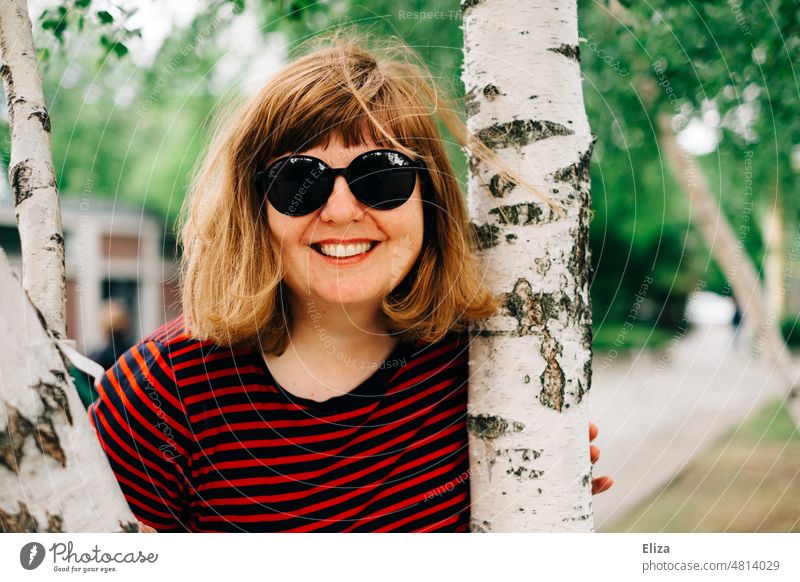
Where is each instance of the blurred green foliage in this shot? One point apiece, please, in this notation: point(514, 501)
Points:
point(134, 132)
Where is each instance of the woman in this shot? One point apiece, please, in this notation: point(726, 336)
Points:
point(317, 378)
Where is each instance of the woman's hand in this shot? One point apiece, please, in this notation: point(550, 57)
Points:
point(599, 484)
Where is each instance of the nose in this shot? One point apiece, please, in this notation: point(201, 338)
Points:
point(342, 206)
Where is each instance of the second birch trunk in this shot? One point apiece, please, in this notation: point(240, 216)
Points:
point(530, 365)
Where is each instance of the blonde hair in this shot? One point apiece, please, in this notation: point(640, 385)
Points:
point(231, 279)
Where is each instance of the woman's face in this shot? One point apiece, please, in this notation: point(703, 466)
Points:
point(361, 280)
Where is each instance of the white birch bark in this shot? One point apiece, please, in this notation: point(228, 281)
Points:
point(30, 170)
point(733, 260)
point(530, 366)
point(54, 476)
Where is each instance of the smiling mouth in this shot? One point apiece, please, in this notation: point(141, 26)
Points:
point(339, 251)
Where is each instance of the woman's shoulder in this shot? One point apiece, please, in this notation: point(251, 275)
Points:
point(163, 352)
point(173, 332)
point(454, 336)
point(175, 342)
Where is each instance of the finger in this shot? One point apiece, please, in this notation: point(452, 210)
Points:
point(592, 431)
point(594, 453)
point(146, 528)
point(601, 484)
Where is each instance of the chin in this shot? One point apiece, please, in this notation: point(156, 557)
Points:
point(349, 294)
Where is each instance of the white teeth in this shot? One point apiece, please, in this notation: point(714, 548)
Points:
point(340, 250)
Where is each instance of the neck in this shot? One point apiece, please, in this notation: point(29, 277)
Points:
point(343, 332)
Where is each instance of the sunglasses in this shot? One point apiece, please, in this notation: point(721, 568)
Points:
point(297, 185)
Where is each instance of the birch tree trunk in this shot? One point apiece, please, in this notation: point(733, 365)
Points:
point(530, 365)
point(54, 476)
point(729, 252)
point(30, 171)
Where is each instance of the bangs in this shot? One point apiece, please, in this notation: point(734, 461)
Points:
point(370, 104)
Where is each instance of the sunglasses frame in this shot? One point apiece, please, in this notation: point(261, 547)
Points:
point(262, 177)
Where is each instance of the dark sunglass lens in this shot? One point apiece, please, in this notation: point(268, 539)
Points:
point(297, 186)
point(383, 180)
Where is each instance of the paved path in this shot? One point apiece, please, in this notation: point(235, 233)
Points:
point(657, 409)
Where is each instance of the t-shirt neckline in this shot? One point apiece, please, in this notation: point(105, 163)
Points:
point(368, 392)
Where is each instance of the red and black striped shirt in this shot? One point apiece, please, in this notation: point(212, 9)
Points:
point(202, 438)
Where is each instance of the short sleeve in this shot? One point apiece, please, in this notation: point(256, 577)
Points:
point(143, 428)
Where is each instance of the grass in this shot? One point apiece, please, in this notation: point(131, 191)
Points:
point(613, 335)
point(747, 482)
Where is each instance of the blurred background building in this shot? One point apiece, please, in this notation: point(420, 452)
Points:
point(114, 250)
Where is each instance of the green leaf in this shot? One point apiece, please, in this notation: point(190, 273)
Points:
point(105, 17)
point(238, 6)
point(82, 3)
point(43, 54)
point(120, 49)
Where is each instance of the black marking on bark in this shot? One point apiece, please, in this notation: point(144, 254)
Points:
point(20, 522)
point(571, 51)
point(12, 440)
point(466, 4)
point(533, 310)
point(487, 235)
point(45, 434)
point(476, 526)
point(498, 186)
point(21, 185)
point(578, 173)
point(489, 426)
point(510, 237)
point(521, 214)
point(579, 256)
point(542, 265)
point(43, 430)
point(57, 238)
point(517, 459)
point(553, 380)
point(471, 104)
point(5, 73)
point(43, 118)
point(520, 132)
point(54, 397)
point(491, 92)
point(525, 453)
point(586, 479)
point(129, 527)
point(55, 523)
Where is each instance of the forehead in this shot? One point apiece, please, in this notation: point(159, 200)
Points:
point(337, 150)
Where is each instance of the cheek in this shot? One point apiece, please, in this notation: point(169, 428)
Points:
point(283, 230)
